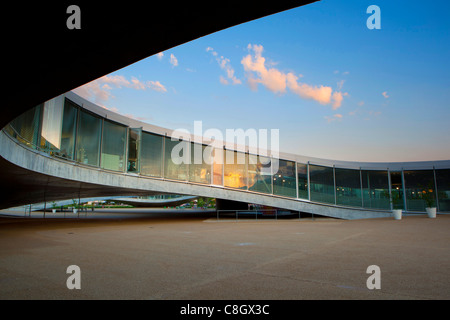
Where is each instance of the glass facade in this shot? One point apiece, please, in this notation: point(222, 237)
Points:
point(88, 139)
point(302, 177)
point(234, 175)
point(200, 164)
point(63, 129)
point(69, 127)
point(321, 180)
point(259, 174)
point(419, 190)
point(113, 146)
point(52, 126)
point(284, 180)
point(151, 154)
point(348, 187)
point(218, 161)
point(134, 143)
point(443, 189)
point(26, 127)
point(375, 189)
point(176, 159)
point(397, 190)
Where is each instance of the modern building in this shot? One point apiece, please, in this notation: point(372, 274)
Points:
point(68, 146)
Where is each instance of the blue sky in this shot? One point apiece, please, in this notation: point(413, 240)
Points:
point(334, 88)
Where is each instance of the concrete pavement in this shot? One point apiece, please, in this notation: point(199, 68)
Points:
point(193, 256)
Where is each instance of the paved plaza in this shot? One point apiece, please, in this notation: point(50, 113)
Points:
point(192, 256)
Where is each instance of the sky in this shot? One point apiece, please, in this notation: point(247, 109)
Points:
point(334, 88)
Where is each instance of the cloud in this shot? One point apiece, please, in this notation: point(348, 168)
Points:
point(173, 60)
point(160, 55)
point(273, 79)
point(224, 64)
point(99, 90)
point(320, 94)
point(336, 117)
point(223, 80)
point(277, 81)
point(156, 85)
point(385, 94)
point(337, 99)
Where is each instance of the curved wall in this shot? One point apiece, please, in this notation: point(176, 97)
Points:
point(70, 138)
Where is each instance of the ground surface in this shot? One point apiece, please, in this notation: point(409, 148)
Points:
point(193, 256)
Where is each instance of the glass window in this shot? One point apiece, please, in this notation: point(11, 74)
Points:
point(52, 126)
point(176, 159)
point(113, 146)
point(284, 181)
point(134, 141)
point(259, 173)
point(26, 127)
point(397, 190)
point(218, 166)
point(234, 170)
point(88, 139)
point(151, 154)
point(321, 184)
point(200, 167)
point(348, 187)
point(419, 190)
point(375, 186)
point(68, 131)
point(302, 174)
point(443, 188)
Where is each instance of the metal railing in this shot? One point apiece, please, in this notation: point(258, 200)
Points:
point(257, 214)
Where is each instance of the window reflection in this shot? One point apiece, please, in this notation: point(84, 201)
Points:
point(218, 161)
point(259, 174)
point(151, 152)
point(176, 158)
point(69, 127)
point(88, 139)
point(443, 188)
point(321, 184)
point(284, 181)
point(397, 190)
point(200, 164)
point(113, 146)
point(419, 190)
point(302, 174)
point(348, 187)
point(234, 170)
point(26, 127)
point(52, 126)
point(134, 142)
point(375, 186)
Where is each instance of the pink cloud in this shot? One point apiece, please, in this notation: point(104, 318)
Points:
point(99, 90)
point(273, 79)
point(320, 94)
point(336, 117)
point(224, 64)
point(277, 81)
